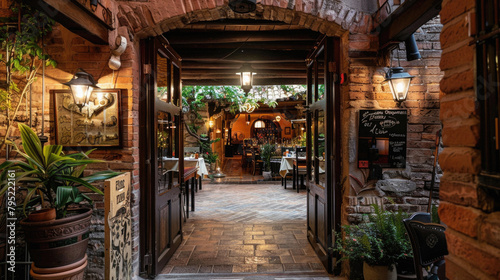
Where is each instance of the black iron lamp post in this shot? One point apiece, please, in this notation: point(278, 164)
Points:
point(82, 84)
point(399, 83)
point(246, 77)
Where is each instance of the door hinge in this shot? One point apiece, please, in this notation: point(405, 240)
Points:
point(147, 69)
point(147, 259)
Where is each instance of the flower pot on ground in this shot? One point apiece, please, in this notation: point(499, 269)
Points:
point(52, 180)
point(267, 175)
point(379, 272)
point(381, 240)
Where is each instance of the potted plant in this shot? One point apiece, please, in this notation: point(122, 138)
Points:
point(380, 243)
point(266, 152)
point(52, 179)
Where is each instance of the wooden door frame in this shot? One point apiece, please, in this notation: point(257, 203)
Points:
point(331, 105)
point(148, 106)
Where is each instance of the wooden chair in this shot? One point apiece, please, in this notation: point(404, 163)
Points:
point(428, 242)
point(299, 167)
point(257, 162)
point(246, 158)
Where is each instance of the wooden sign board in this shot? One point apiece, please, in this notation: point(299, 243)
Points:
point(118, 228)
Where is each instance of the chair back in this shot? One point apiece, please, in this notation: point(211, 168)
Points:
point(300, 152)
point(255, 154)
point(423, 217)
point(428, 242)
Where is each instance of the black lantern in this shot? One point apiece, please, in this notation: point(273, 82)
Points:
point(246, 77)
point(82, 84)
point(399, 83)
point(242, 6)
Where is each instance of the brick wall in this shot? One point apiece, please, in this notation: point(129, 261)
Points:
point(472, 234)
point(72, 52)
point(407, 189)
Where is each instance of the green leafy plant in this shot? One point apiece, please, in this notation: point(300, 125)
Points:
point(380, 240)
point(22, 55)
point(50, 176)
point(266, 152)
point(206, 149)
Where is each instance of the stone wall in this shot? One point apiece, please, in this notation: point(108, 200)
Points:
point(405, 189)
point(472, 233)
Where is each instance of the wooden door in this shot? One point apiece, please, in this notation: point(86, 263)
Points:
point(323, 149)
point(161, 151)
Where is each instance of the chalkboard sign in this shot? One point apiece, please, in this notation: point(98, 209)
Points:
point(384, 130)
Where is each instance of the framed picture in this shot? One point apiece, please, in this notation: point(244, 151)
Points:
point(94, 125)
point(288, 131)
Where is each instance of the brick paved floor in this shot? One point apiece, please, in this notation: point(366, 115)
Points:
point(246, 228)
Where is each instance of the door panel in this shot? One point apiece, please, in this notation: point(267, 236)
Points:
point(323, 121)
point(160, 145)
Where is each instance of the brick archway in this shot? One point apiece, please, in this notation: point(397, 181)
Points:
point(329, 17)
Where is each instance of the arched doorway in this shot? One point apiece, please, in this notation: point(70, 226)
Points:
point(211, 55)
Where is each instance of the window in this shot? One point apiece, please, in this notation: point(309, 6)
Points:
point(488, 94)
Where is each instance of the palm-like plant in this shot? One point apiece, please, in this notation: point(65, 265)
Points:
point(49, 175)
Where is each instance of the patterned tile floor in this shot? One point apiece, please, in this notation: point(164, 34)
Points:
point(246, 231)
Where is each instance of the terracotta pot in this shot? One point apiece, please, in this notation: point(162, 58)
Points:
point(64, 240)
point(379, 272)
point(47, 214)
point(72, 271)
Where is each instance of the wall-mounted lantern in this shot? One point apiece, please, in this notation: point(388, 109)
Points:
point(242, 6)
point(399, 83)
point(246, 77)
point(277, 118)
point(248, 119)
point(82, 84)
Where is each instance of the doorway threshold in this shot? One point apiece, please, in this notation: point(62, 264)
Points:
point(252, 276)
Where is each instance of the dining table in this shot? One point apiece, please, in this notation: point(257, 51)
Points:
point(194, 169)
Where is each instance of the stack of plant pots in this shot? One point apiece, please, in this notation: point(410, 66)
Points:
point(58, 246)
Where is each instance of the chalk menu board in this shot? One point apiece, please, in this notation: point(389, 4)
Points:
point(386, 130)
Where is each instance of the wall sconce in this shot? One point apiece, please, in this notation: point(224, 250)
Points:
point(242, 6)
point(211, 123)
point(399, 83)
point(82, 84)
point(218, 131)
point(248, 119)
point(277, 118)
point(246, 77)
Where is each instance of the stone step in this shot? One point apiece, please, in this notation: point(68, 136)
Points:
point(252, 276)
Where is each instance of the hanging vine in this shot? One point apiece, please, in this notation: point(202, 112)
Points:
point(23, 55)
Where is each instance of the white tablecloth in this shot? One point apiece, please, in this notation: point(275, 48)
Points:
point(287, 166)
point(172, 164)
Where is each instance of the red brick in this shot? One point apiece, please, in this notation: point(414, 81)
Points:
point(489, 230)
point(457, 269)
point(460, 218)
point(462, 108)
point(461, 133)
point(452, 9)
point(458, 82)
point(460, 160)
point(454, 33)
point(458, 57)
point(480, 255)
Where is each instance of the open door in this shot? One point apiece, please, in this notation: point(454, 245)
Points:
point(323, 149)
point(161, 151)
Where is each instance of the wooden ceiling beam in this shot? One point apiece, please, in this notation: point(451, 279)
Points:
point(236, 82)
point(405, 20)
point(227, 65)
point(191, 72)
point(293, 45)
point(243, 55)
point(75, 19)
point(196, 36)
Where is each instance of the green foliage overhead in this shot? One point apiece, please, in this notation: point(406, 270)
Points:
point(233, 97)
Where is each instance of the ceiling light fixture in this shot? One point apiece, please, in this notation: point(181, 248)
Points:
point(246, 77)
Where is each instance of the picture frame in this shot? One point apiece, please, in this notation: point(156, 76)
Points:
point(288, 131)
point(95, 125)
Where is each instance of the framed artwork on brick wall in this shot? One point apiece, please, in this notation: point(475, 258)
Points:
point(95, 125)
